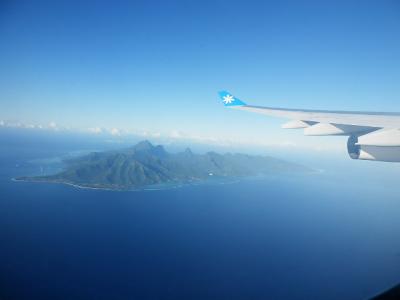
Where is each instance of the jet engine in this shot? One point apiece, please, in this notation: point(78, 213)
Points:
point(374, 146)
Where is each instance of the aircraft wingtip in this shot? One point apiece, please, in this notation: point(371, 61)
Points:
point(229, 100)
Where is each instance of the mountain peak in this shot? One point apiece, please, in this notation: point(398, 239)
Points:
point(188, 151)
point(143, 146)
point(160, 151)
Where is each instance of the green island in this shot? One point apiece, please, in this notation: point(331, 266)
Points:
point(146, 165)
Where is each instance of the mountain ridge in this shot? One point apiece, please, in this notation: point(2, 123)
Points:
point(144, 165)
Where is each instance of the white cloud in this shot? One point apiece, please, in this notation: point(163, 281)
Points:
point(95, 130)
point(53, 125)
point(176, 134)
point(115, 131)
point(245, 142)
point(13, 124)
point(145, 133)
point(271, 142)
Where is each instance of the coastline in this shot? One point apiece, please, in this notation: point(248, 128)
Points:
point(66, 183)
point(164, 186)
point(155, 187)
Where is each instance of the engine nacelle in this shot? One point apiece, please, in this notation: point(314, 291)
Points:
point(382, 137)
point(372, 152)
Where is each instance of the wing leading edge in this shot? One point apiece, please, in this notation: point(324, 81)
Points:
point(372, 135)
point(369, 119)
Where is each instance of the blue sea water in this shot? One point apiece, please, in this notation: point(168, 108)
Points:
point(331, 235)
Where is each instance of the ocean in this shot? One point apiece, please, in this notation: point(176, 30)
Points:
point(328, 235)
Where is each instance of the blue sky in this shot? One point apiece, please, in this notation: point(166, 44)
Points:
point(157, 65)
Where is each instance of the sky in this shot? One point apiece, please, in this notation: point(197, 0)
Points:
point(156, 66)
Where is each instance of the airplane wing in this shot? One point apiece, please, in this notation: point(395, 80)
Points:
point(372, 135)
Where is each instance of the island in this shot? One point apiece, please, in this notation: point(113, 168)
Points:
point(146, 165)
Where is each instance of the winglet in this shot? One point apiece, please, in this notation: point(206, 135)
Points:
point(229, 100)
